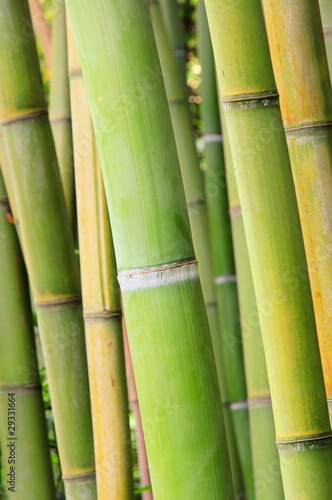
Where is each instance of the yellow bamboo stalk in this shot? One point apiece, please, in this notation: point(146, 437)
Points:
point(101, 304)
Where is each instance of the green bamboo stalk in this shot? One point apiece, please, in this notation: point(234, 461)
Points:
point(326, 13)
point(167, 325)
point(221, 237)
point(48, 246)
point(175, 32)
point(33, 477)
point(262, 433)
point(306, 106)
point(60, 117)
point(276, 251)
point(101, 304)
point(221, 300)
point(267, 476)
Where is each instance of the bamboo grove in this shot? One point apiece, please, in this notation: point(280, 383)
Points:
point(165, 249)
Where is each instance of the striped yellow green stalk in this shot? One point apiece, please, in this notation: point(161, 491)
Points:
point(48, 246)
point(326, 13)
point(264, 179)
point(167, 325)
point(60, 108)
point(101, 304)
point(25, 449)
point(306, 106)
point(262, 434)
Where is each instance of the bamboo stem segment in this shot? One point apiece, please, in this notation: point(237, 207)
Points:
point(48, 247)
point(167, 325)
point(298, 28)
point(43, 30)
point(27, 454)
point(60, 117)
point(276, 251)
point(222, 249)
point(266, 465)
point(101, 304)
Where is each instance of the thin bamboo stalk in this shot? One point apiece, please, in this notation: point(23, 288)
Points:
point(221, 301)
point(175, 32)
point(308, 123)
point(60, 117)
point(220, 232)
point(42, 29)
point(276, 251)
point(133, 400)
point(326, 13)
point(166, 321)
point(267, 475)
point(101, 304)
point(48, 246)
point(26, 452)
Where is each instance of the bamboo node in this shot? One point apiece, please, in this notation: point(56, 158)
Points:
point(259, 402)
point(235, 211)
point(212, 138)
point(58, 302)
point(225, 278)
point(151, 277)
point(24, 116)
point(239, 405)
point(305, 444)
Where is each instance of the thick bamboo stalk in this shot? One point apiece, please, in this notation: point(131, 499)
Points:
point(48, 247)
point(267, 476)
point(60, 117)
point(101, 304)
point(221, 300)
point(276, 251)
point(326, 13)
point(306, 106)
point(175, 32)
point(133, 400)
point(262, 434)
point(26, 451)
point(166, 321)
point(42, 29)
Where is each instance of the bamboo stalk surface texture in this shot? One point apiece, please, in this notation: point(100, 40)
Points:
point(47, 245)
point(295, 31)
point(167, 325)
point(25, 444)
point(101, 304)
point(264, 179)
point(60, 117)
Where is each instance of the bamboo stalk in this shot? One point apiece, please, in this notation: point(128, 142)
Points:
point(48, 246)
point(60, 117)
point(220, 229)
point(175, 32)
point(276, 251)
point(221, 301)
point(25, 450)
point(101, 304)
point(326, 13)
point(133, 400)
point(298, 27)
point(166, 321)
point(267, 476)
point(42, 29)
